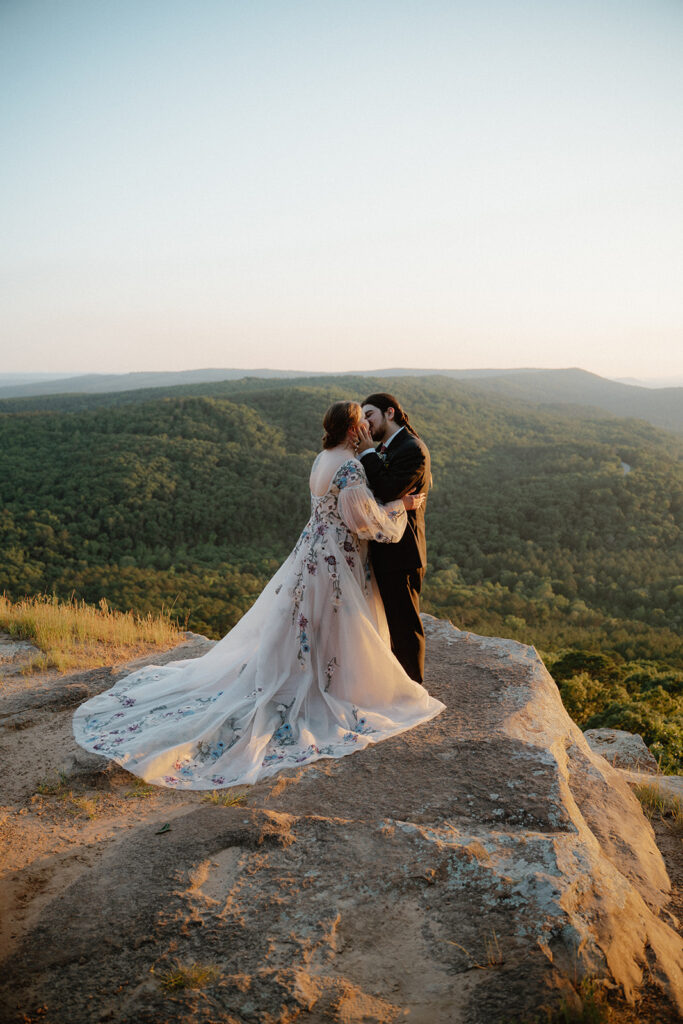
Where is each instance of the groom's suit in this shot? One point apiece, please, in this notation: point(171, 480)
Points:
point(399, 568)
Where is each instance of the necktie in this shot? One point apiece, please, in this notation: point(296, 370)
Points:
point(382, 449)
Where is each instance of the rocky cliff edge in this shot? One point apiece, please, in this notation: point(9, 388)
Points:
point(474, 869)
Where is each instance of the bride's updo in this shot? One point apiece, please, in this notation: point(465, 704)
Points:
point(338, 420)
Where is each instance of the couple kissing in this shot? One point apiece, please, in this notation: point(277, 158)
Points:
point(330, 657)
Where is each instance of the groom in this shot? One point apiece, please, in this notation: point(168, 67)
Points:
point(399, 465)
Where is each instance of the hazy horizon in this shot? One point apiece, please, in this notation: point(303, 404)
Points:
point(341, 186)
point(20, 377)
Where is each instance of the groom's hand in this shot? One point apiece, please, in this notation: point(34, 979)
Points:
point(364, 437)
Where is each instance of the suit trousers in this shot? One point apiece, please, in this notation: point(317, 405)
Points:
point(400, 593)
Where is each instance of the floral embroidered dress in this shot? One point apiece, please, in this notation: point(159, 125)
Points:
point(306, 673)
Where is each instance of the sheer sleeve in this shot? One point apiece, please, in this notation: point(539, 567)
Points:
point(362, 514)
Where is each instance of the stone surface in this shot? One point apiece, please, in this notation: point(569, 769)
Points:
point(15, 654)
point(668, 785)
point(469, 870)
point(621, 749)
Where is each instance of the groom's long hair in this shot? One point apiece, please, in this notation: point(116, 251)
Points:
point(383, 401)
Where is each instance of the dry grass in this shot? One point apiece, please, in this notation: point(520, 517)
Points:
point(494, 956)
point(53, 787)
point(75, 635)
point(225, 799)
point(191, 976)
point(73, 803)
point(655, 802)
point(140, 790)
point(90, 806)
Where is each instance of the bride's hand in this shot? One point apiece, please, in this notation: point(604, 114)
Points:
point(412, 501)
point(364, 437)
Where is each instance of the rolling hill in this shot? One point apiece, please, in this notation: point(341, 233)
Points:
point(662, 407)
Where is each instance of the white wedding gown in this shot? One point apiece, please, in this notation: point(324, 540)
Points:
point(306, 673)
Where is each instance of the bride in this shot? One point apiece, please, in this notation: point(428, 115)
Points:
point(306, 673)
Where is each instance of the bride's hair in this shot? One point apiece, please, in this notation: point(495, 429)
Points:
point(338, 420)
point(383, 401)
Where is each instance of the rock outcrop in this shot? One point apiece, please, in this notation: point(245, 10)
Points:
point(471, 870)
point(15, 654)
point(622, 749)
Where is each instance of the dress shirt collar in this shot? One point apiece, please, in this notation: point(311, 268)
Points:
point(387, 443)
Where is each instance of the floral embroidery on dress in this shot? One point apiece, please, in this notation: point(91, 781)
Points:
point(207, 752)
point(327, 530)
point(285, 734)
point(312, 545)
point(334, 579)
point(360, 729)
point(349, 472)
point(106, 739)
point(283, 737)
point(329, 672)
point(361, 725)
point(304, 646)
point(391, 513)
point(279, 755)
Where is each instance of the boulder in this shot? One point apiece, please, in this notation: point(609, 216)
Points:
point(473, 869)
point(15, 654)
point(621, 749)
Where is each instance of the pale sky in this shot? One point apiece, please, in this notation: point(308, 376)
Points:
point(341, 185)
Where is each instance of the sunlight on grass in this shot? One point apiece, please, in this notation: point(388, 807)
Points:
point(40, 663)
point(87, 805)
point(140, 790)
point(192, 976)
point(655, 802)
point(52, 787)
point(228, 799)
point(73, 634)
point(74, 804)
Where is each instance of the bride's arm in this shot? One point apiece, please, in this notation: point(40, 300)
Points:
point(362, 514)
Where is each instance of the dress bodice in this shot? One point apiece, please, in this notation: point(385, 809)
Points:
point(349, 503)
point(350, 472)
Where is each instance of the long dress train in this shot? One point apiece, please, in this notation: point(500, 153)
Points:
point(306, 673)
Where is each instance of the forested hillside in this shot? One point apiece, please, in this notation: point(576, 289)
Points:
point(558, 530)
point(661, 407)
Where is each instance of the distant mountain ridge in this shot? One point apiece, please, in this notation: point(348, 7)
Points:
point(98, 383)
point(652, 382)
point(10, 380)
point(661, 407)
